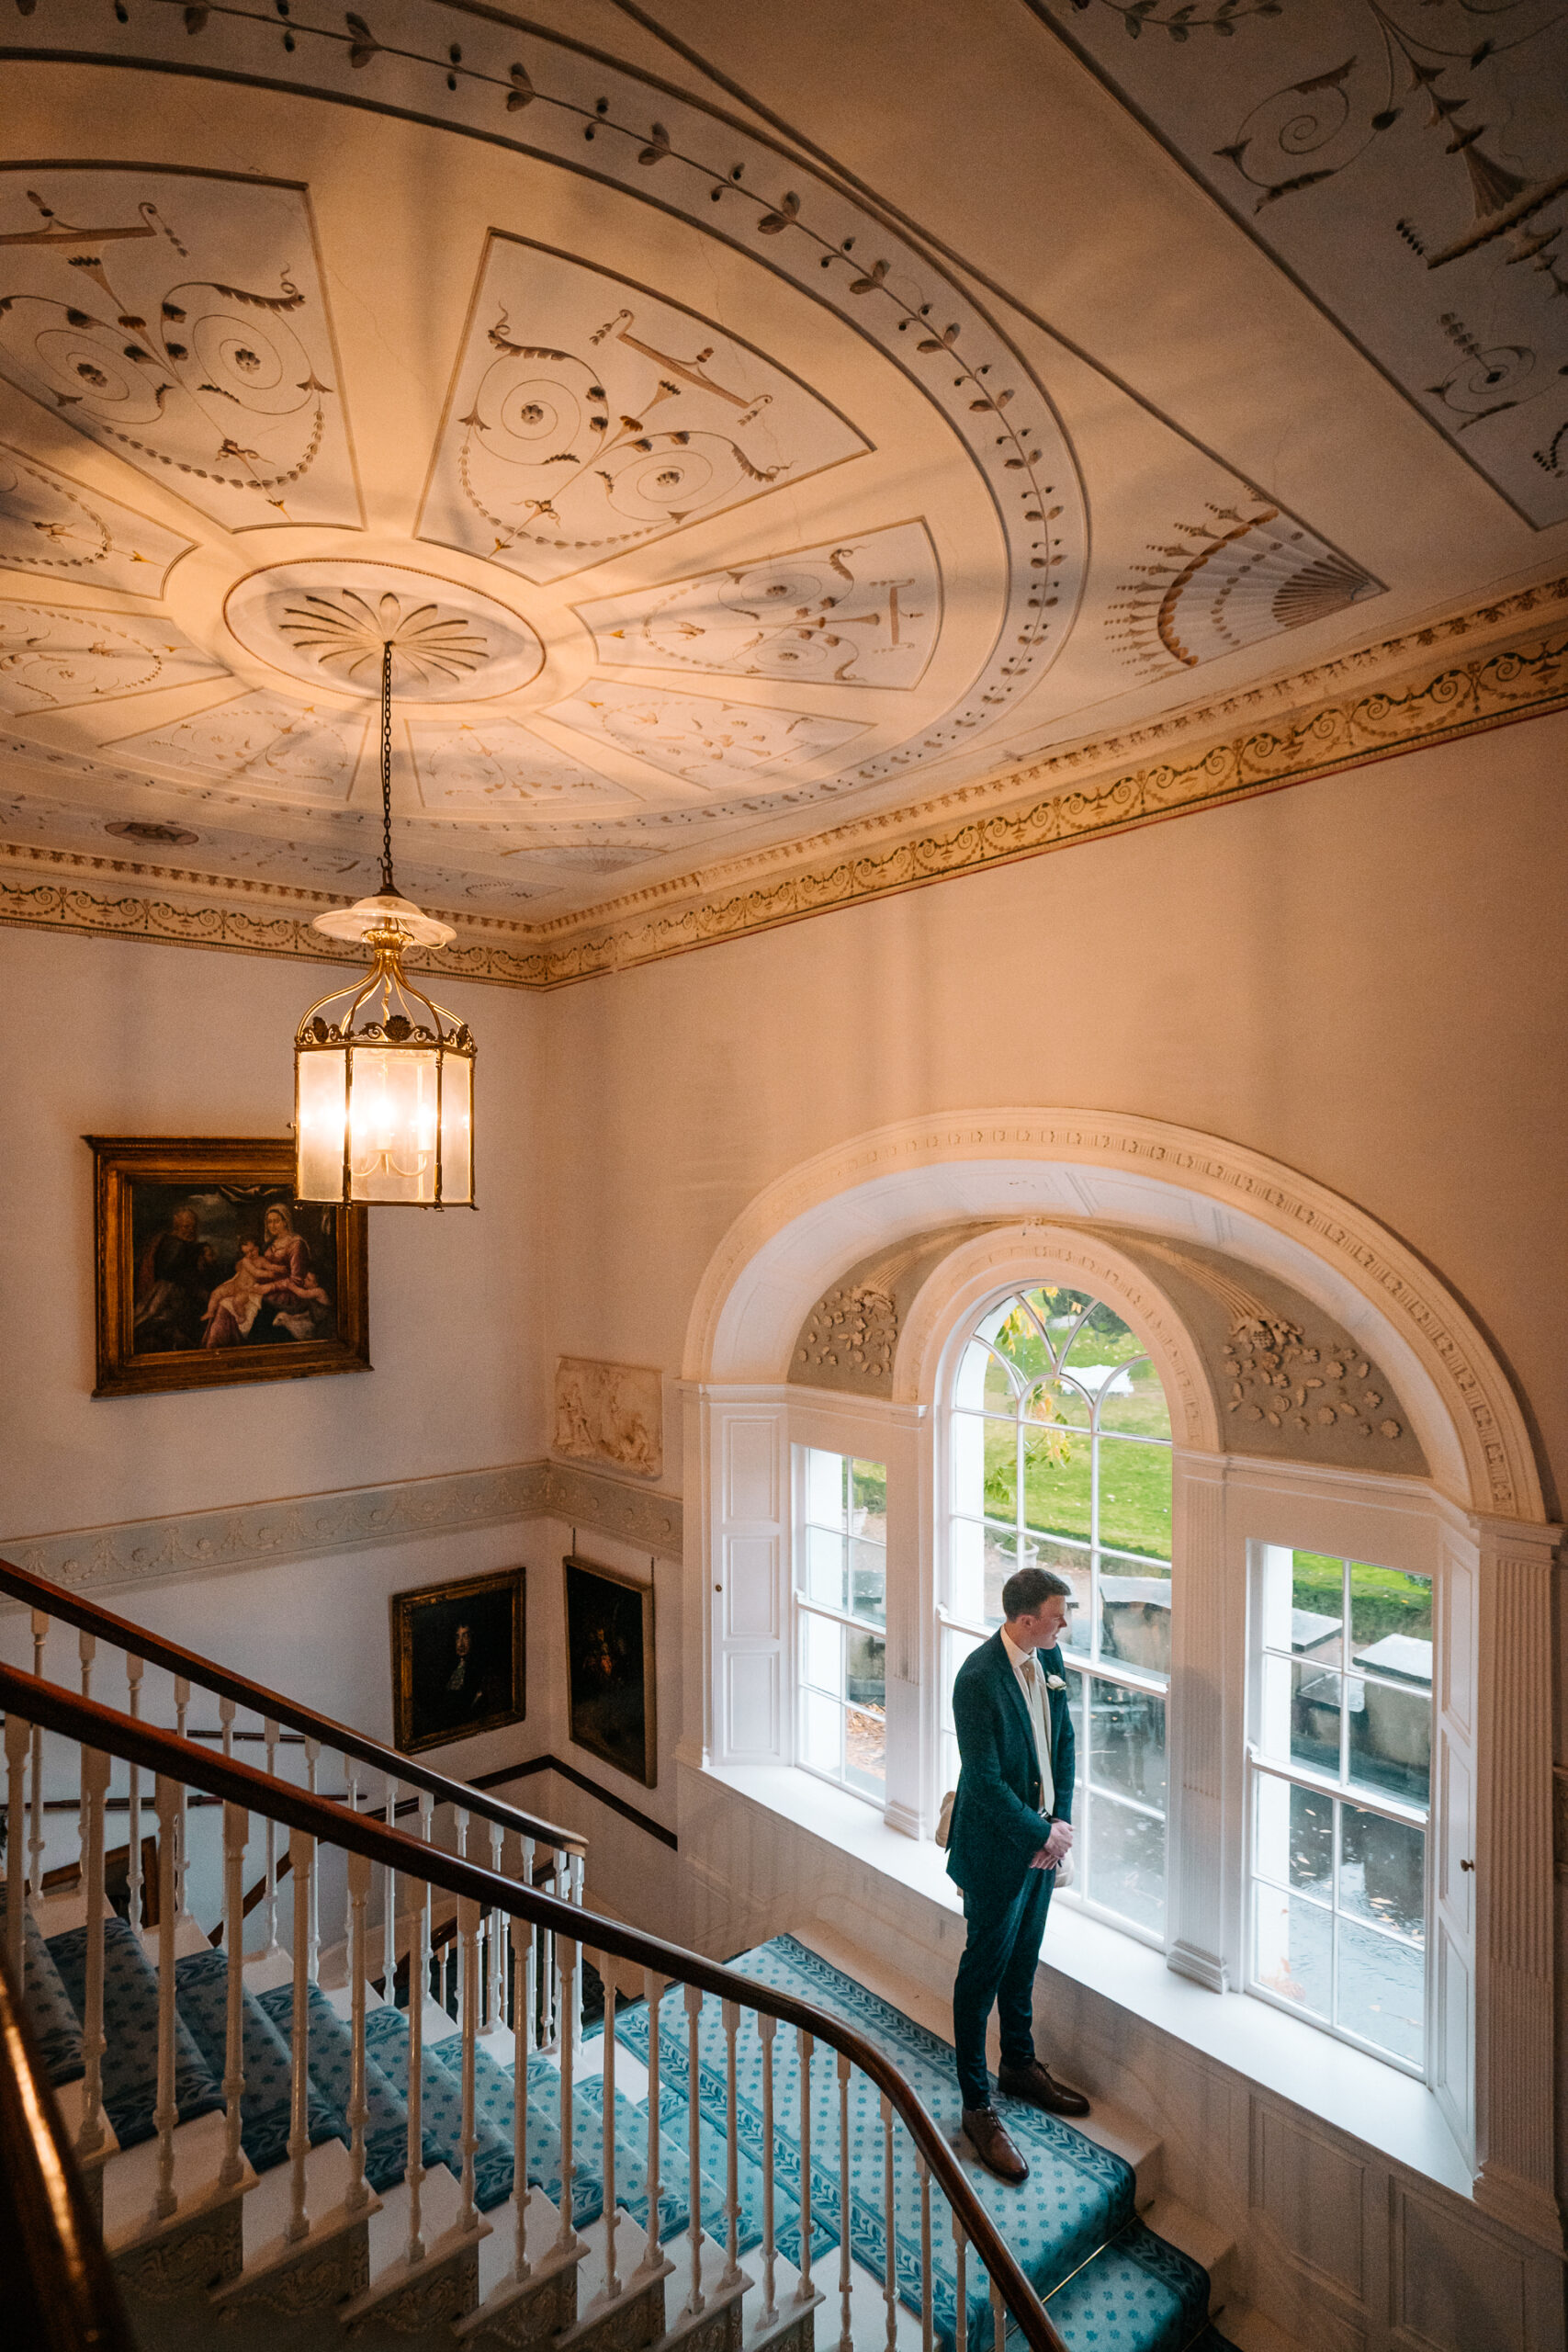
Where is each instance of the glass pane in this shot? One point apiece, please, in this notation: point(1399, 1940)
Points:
point(1386, 1604)
point(825, 1568)
point(1318, 1694)
point(821, 1733)
point(866, 1749)
point(1058, 1309)
point(1382, 1871)
point(1002, 1386)
point(1382, 1990)
point(1053, 1401)
point(1056, 1484)
point(1317, 1602)
point(824, 1488)
point(1075, 1709)
point(1102, 1339)
point(1127, 1863)
point(1127, 1736)
point(1292, 1948)
point(968, 1569)
point(1002, 1469)
point(1133, 1402)
point(821, 1653)
point(969, 1388)
point(1135, 1496)
point(865, 1669)
point(969, 1462)
point(1391, 1737)
point(1004, 1552)
point(1020, 1340)
point(1135, 1618)
point(868, 1501)
point(868, 1581)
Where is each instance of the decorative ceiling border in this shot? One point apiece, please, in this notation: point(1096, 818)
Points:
point(248, 1535)
point(1344, 714)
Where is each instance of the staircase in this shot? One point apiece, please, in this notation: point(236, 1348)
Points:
point(397, 2128)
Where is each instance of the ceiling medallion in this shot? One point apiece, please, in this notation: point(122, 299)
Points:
point(349, 638)
point(327, 621)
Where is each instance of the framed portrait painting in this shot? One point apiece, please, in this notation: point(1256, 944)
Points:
point(209, 1271)
point(458, 1661)
point(610, 1676)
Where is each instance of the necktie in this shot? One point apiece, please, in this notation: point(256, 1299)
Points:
point(1041, 1734)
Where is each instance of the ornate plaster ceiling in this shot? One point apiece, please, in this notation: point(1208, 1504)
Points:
point(716, 460)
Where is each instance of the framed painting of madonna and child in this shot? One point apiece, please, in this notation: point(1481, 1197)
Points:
point(209, 1271)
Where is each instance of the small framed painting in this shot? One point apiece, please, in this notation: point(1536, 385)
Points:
point(609, 1667)
point(458, 1661)
point(211, 1273)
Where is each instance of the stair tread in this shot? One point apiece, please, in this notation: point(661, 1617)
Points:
point(1136, 2291)
point(131, 2027)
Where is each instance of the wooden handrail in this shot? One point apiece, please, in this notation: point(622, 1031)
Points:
point(273, 1707)
point(103, 1728)
point(61, 2290)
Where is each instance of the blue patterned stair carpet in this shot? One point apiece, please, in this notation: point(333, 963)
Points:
point(1113, 2285)
point(131, 2033)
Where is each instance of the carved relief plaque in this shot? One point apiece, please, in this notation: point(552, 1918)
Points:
point(610, 1412)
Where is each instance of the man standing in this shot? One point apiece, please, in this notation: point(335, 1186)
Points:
point(1011, 1826)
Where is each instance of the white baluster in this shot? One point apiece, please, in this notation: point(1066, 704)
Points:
point(522, 2051)
point(535, 1943)
point(18, 1744)
point(270, 1735)
point(358, 1870)
point(312, 1759)
point(467, 1941)
point(805, 2045)
point(566, 1960)
point(652, 1986)
point(388, 1900)
point(236, 1831)
point(495, 1952)
point(927, 2329)
point(182, 1701)
point(169, 1802)
point(846, 2337)
point(960, 2272)
point(96, 1770)
point(134, 1671)
point(86, 1650)
point(694, 2002)
point(226, 1720)
point(998, 2320)
point(574, 1895)
point(302, 1870)
point(35, 1831)
point(418, 1965)
point(731, 2015)
point(607, 1977)
point(460, 1817)
point(767, 2027)
point(890, 2266)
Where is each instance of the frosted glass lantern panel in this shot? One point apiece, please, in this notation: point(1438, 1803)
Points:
point(456, 1129)
point(320, 1095)
point(392, 1116)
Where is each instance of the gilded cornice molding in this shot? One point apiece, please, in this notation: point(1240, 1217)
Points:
point(97, 1559)
point(1368, 705)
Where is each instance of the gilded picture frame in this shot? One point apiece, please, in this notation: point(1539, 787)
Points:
point(611, 1690)
point(459, 1660)
point(210, 1273)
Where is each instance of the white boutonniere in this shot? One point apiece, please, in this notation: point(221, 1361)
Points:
point(1055, 1682)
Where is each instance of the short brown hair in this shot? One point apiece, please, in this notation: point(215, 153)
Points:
point(1028, 1589)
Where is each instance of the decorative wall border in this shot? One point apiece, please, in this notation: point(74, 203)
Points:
point(136, 1552)
point(1279, 741)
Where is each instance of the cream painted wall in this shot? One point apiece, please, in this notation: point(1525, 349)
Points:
point(120, 1039)
point(1361, 977)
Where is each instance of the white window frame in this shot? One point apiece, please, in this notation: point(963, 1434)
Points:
point(804, 1607)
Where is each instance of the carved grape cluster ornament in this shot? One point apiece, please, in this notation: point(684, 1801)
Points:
point(856, 1328)
point(1278, 1378)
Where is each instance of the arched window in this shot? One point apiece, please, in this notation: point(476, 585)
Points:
point(1060, 1455)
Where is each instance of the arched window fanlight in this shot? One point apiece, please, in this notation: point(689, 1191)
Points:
point(383, 1074)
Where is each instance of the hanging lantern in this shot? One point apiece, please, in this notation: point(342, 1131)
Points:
point(383, 1074)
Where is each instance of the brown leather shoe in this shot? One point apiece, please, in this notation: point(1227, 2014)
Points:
point(1038, 2086)
point(982, 2127)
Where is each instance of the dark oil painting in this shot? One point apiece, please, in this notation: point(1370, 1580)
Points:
point(610, 1667)
point(457, 1661)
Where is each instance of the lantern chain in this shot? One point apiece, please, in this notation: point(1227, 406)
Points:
point(387, 884)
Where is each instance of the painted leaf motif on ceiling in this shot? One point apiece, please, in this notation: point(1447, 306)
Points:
point(862, 612)
point(1409, 162)
point(263, 740)
point(179, 320)
point(588, 415)
point(1236, 576)
point(53, 657)
point(491, 766)
point(703, 741)
point(53, 524)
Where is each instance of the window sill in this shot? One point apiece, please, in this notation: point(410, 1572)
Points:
point(1342, 2087)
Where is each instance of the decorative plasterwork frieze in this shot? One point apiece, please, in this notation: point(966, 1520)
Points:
point(610, 1412)
point(250, 1535)
point(1365, 707)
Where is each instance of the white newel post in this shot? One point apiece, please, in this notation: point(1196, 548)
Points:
point(744, 1541)
point(1514, 1881)
point(1201, 1730)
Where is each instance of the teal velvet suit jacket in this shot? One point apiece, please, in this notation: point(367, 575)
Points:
point(997, 1824)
